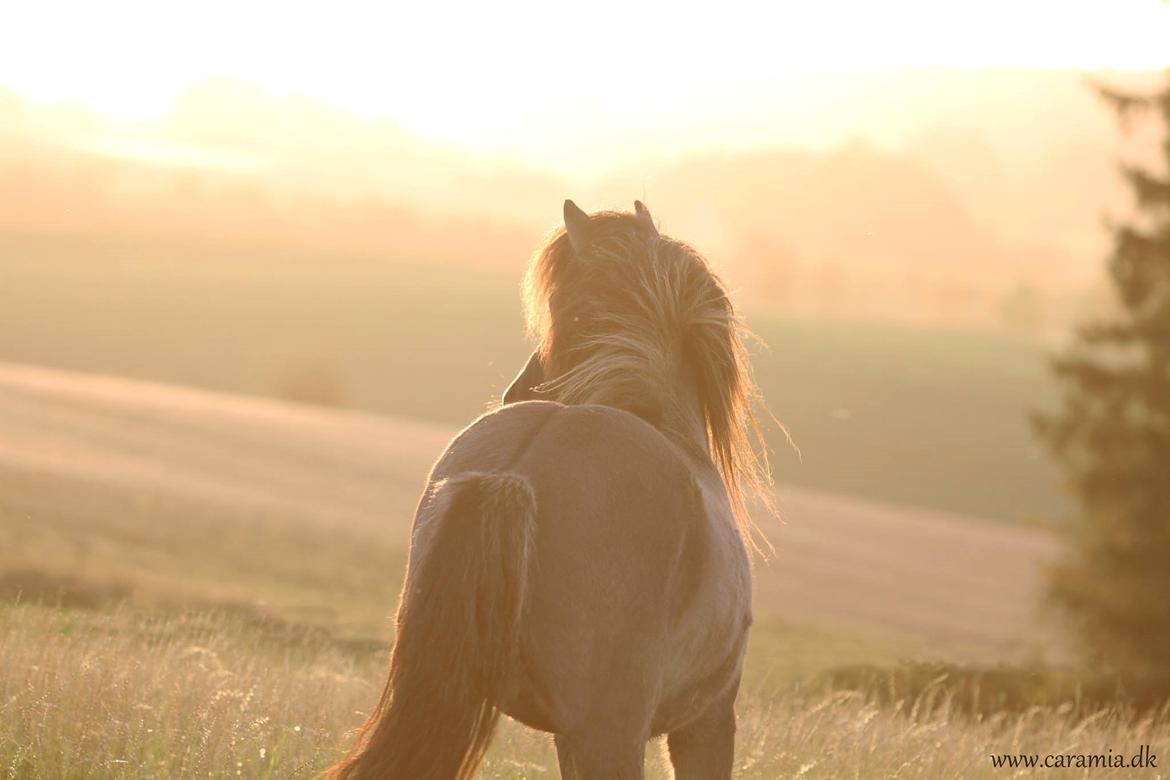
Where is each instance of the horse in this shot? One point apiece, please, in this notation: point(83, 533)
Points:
point(580, 558)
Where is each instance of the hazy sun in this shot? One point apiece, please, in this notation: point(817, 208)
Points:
point(476, 70)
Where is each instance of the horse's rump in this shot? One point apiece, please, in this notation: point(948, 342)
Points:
point(632, 575)
point(458, 629)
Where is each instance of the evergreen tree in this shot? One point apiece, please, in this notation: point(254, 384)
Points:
point(1112, 433)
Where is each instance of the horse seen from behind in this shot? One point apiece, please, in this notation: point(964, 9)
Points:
point(580, 557)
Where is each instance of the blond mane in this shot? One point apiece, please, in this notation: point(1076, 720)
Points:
point(633, 323)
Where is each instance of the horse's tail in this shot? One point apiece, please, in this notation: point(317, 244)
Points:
point(458, 628)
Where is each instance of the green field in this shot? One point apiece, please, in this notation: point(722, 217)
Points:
point(122, 694)
point(931, 418)
point(172, 623)
point(196, 585)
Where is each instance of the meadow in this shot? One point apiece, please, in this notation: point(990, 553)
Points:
point(200, 583)
point(122, 694)
point(241, 315)
point(196, 584)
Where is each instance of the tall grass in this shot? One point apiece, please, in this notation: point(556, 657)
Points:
point(126, 694)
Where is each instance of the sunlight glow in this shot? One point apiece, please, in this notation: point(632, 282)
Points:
point(469, 71)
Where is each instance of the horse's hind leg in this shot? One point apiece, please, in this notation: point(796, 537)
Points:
point(591, 757)
point(704, 749)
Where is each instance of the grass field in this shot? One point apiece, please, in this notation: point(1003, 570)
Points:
point(195, 584)
point(933, 419)
point(123, 694)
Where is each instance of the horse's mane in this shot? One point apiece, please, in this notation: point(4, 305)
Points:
point(630, 322)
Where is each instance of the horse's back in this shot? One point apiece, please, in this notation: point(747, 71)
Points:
point(580, 459)
point(595, 468)
point(627, 557)
point(610, 489)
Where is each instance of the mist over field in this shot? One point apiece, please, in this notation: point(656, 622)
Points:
point(242, 314)
point(305, 252)
point(961, 198)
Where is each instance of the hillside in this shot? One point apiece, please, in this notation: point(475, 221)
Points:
point(928, 417)
point(135, 490)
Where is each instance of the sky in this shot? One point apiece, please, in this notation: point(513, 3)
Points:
point(977, 113)
point(491, 75)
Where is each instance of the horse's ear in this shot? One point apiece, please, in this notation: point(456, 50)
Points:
point(643, 214)
point(577, 226)
point(522, 387)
